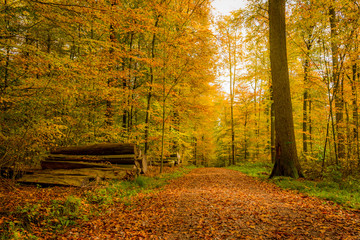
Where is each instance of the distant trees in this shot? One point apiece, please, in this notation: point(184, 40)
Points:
point(229, 37)
point(323, 59)
point(144, 72)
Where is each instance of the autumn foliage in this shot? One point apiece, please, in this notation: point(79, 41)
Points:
point(323, 58)
point(77, 72)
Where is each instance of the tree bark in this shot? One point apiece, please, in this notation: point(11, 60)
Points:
point(286, 160)
point(355, 134)
point(245, 133)
point(232, 80)
point(7, 61)
point(149, 97)
point(272, 126)
point(338, 87)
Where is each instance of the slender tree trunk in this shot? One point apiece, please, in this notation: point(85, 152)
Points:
point(109, 114)
point(148, 106)
point(286, 161)
point(257, 152)
point(48, 51)
point(310, 124)
point(7, 61)
point(195, 149)
point(326, 140)
point(348, 154)
point(126, 86)
point(163, 131)
point(245, 137)
point(305, 108)
point(6, 73)
point(79, 36)
point(339, 103)
point(255, 109)
point(231, 102)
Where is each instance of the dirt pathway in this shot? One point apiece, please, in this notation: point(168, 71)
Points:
point(214, 203)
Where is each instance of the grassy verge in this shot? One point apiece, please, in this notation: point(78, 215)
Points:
point(51, 216)
point(259, 170)
point(344, 191)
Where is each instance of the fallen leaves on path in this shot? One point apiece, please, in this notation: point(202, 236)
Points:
point(215, 203)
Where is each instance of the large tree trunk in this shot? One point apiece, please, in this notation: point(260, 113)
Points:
point(232, 80)
point(355, 111)
point(109, 112)
point(286, 161)
point(305, 109)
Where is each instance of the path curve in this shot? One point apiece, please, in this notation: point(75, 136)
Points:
point(217, 203)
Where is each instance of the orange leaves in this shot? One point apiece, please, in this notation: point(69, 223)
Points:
point(208, 203)
point(74, 65)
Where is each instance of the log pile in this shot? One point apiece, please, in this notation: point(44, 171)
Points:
point(168, 161)
point(78, 165)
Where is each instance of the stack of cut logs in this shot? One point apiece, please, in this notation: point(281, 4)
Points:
point(169, 161)
point(77, 166)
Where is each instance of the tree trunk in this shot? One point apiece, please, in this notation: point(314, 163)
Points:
point(245, 133)
point(272, 126)
point(148, 107)
point(305, 108)
point(286, 160)
point(163, 130)
point(7, 61)
point(355, 111)
point(109, 114)
point(232, 76)
point(195, 150)
point(338, 88)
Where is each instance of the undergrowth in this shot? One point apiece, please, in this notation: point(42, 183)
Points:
point(55, 215)
point(257, 169)
point(331, 186)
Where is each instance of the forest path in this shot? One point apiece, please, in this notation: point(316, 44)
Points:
point(216, 203)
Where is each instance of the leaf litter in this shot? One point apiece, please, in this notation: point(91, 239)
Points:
point(216, 203)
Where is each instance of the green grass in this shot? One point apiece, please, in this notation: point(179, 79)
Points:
point(121, 191)
point(260, 170)
point(333, 187)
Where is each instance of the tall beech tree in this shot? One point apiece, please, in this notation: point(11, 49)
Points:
point(286, 159)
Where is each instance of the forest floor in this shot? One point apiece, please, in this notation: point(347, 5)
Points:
point(215, 203)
